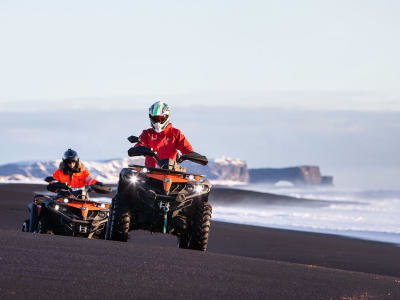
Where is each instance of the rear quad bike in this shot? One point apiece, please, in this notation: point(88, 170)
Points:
point(70, 212)
point(165, 199)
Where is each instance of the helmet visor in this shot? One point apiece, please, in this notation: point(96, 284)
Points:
point(159, 119)
point(70, 160)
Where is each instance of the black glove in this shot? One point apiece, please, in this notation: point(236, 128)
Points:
point(56, 186)
point(99, 183)
point(64, 193)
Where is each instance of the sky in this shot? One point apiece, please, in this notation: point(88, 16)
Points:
point(58, 50)
point(275, 83)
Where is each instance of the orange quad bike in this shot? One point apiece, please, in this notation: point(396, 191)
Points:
point(70, 212)
point(164, 199)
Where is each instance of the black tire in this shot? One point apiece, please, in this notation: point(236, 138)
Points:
point(183, 241)
point(201, 227)
point(118, 222)
point(33, 217)
point(43, 227)
point(25, 226)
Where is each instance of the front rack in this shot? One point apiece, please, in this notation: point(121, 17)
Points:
point(164, 170)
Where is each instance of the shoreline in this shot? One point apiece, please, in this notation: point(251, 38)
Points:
point(379, 237)
point(242, 261)
point(223, 195)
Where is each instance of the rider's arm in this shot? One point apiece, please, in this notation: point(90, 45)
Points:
point(57, 184)
point(57, 175)
point(89, 180)
point(183, 145)
point(143, 140)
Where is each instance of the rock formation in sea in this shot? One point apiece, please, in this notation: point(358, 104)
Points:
point(301, 175)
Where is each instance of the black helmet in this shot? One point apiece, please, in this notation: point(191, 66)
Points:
point(70, 155)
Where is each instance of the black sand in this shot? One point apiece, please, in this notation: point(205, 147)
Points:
point(241, 262)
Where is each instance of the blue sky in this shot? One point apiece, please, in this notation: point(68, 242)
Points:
point(276, 83)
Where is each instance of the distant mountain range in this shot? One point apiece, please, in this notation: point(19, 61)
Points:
point(222, 170)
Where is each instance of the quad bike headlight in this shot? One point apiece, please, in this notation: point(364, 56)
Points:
point(56, 207)
point(190, 188)
point(66, 200)
point(133, 179)
point(198, 188)
point(130, 175)
point(190, 177)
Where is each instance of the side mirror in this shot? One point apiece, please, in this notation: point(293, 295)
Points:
point(49, 179)
point(133, 139)
point(194, 157)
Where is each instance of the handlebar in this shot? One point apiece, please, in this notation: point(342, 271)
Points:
point(140, 150)
point(64, 190)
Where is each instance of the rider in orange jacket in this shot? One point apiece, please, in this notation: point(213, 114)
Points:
point(164, 139)
point(73, 172)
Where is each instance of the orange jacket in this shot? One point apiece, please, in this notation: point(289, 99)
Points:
point(77, 179)
point(166, 143)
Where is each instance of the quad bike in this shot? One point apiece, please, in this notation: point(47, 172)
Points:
point(165, 199)
point(70, 212)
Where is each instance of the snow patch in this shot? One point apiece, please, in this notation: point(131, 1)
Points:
point(229, 161)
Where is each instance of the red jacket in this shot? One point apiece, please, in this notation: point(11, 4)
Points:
point(166, 143)
point(77, 179)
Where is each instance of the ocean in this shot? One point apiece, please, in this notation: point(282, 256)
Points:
point(360, 213)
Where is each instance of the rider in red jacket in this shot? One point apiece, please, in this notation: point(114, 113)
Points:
point(164, 139)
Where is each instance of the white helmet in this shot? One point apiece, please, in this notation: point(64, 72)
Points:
point(159, 116)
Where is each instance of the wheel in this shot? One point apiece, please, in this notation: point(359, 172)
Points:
point(25, 226)
point(118, 221)
point(43, 227)
point(183, 241)
point(33, 217)
point(180, 223)
point(201, 227)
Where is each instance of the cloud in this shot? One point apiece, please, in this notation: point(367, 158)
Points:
point(307, 100)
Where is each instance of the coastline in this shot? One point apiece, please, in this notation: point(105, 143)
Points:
point(241, 262)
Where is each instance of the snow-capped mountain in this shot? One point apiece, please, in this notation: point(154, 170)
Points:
point(220, 169)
